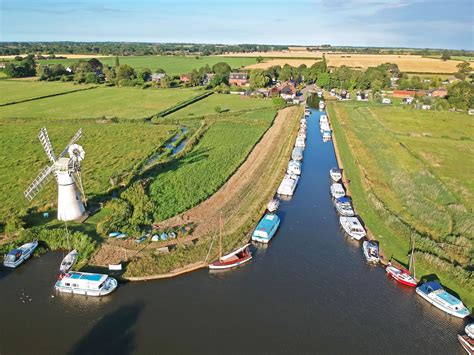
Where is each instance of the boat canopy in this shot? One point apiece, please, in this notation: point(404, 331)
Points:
point(431, 286)
point(343, 199)
point(15, 252)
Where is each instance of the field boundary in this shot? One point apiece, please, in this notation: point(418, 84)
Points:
point(179, 106)
point(47, 96)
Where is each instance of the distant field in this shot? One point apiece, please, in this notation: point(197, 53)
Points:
point(110, 148)
point(410, 175)
point(173, 65)
point(281, 62)
point(13, 91)
point(132, 103)
point(456, 57)
point(227, 103)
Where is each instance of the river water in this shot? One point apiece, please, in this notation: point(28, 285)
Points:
point(309, 291)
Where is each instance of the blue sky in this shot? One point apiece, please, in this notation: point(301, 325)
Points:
point(391, 23)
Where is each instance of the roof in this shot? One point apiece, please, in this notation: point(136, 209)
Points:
point(86, 276)
point(267, 222)
point(239, 76)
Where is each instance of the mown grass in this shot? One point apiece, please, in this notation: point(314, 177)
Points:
point(226, 102)
point(13, 91)
point(173, 65)
point(110, 102)
point(112, 148)
point(188, 181)
point(405, 188)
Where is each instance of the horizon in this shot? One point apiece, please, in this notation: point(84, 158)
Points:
point(354, 23)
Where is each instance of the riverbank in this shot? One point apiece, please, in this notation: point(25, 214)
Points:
point(242, 200)
point(379, 219)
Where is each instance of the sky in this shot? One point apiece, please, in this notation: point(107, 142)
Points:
point(385, 23)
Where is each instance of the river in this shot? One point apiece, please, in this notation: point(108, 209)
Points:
point(309, 291)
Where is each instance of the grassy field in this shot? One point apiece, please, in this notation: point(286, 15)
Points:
point(13, 91)
point(130, 103)
point(190, 180)
point(173, 65)
point(409, 177)
point(110, 149)
point(227, 103)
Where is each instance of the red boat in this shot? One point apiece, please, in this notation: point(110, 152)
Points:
point(236, 258)
point(467, 343)
point(401, 275)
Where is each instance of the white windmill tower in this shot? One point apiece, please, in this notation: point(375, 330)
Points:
point(68, 175)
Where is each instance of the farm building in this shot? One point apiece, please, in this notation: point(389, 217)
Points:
point(239, 79)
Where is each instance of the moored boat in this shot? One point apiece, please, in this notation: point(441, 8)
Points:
point(300, 142)
point(266, 228)
point(324, 126)
point(83, 283)
point(323, 118)
point(337, 190)
point(467, 343)
point(294, 167)
point(435, 294)
point(371, 251)
point(19, 255)
point(288, 185)
point(335, 174)
point(469, 329)
point(322, 105)
point(273, 205)
point(234, 259)
point(344, 207)
point(297, 153)
point(327, 135)
point(401, 275)
point(68, 261)
point(353, 227)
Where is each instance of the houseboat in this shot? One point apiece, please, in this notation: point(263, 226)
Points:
point(353, 227)
point(435, 294)
point(297, 153)
point(337, 190)
point(288, 186)
point(88, 284)
point(19, 255)
point(344, 206)
point(266, 228)
point(294, 167)
point(335, 174)
point(371, 251)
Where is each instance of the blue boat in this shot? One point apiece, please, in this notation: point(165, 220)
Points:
point(266, 228)
point(164, 236)
point(435, 294)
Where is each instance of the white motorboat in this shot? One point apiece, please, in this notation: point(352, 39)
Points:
point(19, 255)
point(300, 142)
point(297, 153)
point(88, 284)
point(371, 251)
point(469, 329)
point(323, 118)
point(68, 261)
point(294, 167)
point(337, 190)
point(324, 126)
point(327, 136)
point(273, 205)
point(335, 174)
point(353, 227)
point(435, 294)
point(344, 206)
point(322, 105)
point(303, 121)
point(287, 186)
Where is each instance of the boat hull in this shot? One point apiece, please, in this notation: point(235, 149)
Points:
point(466, 343)
point(26, 254)
point(85, 292)
point(396, 277)
point(439, 305)
point(218, 265)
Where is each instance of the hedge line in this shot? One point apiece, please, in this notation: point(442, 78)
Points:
point(179, 106)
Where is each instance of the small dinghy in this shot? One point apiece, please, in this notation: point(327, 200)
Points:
point(273, 205)
point(19, 255)
point(236, 258)
point(172, 235)
point(141, 239)
point(335, 174)
point(435, 294)
point(164, 236)
point(155, 238)
point(114, 234)
point(121, 236)
point(68, 261)
point(371, 251)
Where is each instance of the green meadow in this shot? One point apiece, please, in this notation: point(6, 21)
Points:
point(410, 175)
point(173, 65)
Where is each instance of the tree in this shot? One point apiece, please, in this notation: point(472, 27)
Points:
point(21, 70)
point(286, 73)
point(218, 80)
point(117, 62)
point(445, 55)
point(464, 69)
point(124, 71)
point(160, 71)
point(461, 95)
point(165, 82)
point(259, 59)
point(323, 80)
point(91, 78)
point(221, 68)
point(258, 79)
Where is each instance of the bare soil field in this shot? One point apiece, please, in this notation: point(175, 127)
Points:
point(282, 62)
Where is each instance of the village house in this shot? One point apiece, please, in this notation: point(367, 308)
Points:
point(239, 79)
point(442, 93)
point(207, 78)
point(288, 92)
point(156, 77)
point(185, 78)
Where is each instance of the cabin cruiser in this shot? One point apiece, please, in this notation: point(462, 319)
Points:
point(84, 283)
point(327, 136)
point(335, 174)
point(337, 190)
point(435, 294)
point(324, 126)
point(294, 167)
point(266, 228)
point(323, 118)
point(322, 105)
point(19, 255)
point(344, 207)
point(300, 142)
point(371, 251)
point(297, 153)
point(353, 227)
point(288, 185)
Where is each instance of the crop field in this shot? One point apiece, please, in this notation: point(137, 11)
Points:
point(410, 176)
point(281, 62)
point(110, 149)
point(110, 102)
point(173, 65)
point(14, 91)
point(227, 103)
point(188, 181)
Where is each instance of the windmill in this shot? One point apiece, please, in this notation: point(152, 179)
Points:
point(67, 171)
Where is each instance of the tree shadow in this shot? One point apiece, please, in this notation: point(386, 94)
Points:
point(434, 277)
point(113, 334)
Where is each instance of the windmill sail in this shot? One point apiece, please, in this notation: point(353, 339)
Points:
point(39, 182)
point(46, 143)
point(74, 139)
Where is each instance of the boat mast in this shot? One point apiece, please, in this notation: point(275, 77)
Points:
point(412, 258)
point(220, 235)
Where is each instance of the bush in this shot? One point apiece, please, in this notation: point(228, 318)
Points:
point(118, 212)
point(218, 109)
point(279, 101)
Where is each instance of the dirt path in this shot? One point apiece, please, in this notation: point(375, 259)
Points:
point(240, 199)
